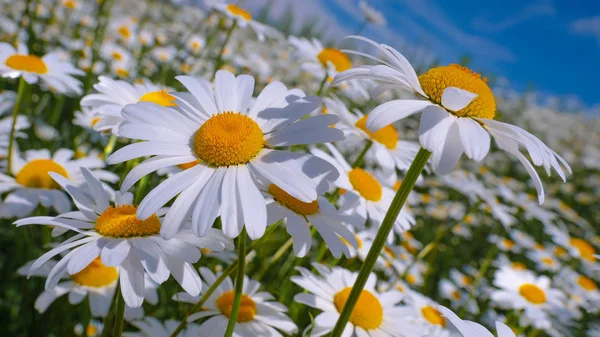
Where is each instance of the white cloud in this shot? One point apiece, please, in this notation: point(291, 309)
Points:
point(587, 27)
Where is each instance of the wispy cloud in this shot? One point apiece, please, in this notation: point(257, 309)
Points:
point(587, 27)
point(530, 11)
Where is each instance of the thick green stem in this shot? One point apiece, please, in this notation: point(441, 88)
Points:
point(219, 61)
point(239, 284)
point(386, 226)
point(15, 114)
point(119, 314)
point(361, 157)
point(220, 280)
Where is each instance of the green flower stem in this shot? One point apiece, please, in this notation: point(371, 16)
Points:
point(239, 284)
point(11, 142)
point(480, 274)
point(119, 314)
point(386, 226)
point(322, 85)
point(104, 11)
point(140, 192)
point(219, 61)
point(221, 278)
point(278, 254)
point(361, 157)
point(108, 149)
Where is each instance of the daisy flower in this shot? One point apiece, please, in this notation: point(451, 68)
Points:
point(363, 194)
point(387, 150)
point(31, 185)
point(151, 327)
point(96, 281)
point(53, 72)
point(259, 314)
point(93, 329)
point(113, 95)
point(232, 142)
point(5, 126)
point(473, 329)
point(422, 313)
point(577, 247)
point(243, 18)
point(375, 314)
point(371, 14)
point(582, 286)
point(318, 60)
point(457, 115)
point(113, 232)
point(524, 290)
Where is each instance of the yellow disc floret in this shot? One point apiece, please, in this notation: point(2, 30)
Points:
point(433, 316)
point(96, 275)
point(340, 60)
point(436, 80)
point(160, 97)
point(586, 251)
point(121, 222)
point(228, 139)
point(387, 135)
point(29, 63)
point(240, 12)
point(300, 207)
point(35, 174)
point(532, 293)
point(586, 283)
point(368, 312)
point(247, 307)
point(363, 182)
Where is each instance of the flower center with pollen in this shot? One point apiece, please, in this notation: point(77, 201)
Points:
point(29, 63)
point(35, 174)
point(368, 312)
point(300, 207)
point(586, 251)
point(365, 184)
point(228, 139)
point(433, 316)
point(532, 293)
point(247, 306)
point(340, 60)
point(96, 275)
point(437, 79)
point(586, 283)
point(121, 222)
point(160, 97)
point(387, 135)
point(237, 11)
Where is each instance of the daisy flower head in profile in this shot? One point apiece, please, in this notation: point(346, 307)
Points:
point(317, 59)
point(363, 194)
point(151, 327)
point(97, 282)
point(113, 95)
point(387, 149)
point(458, 109)
point(422, 312)
point(258, 315)
point(375, 313)
point(52, 71)
point(111, 231)
point(243, 18)
point(523, 290)
point(472, 329)
point(232, 142)
point(31, 185)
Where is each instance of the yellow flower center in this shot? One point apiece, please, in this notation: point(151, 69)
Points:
point(387, 135)
point(368, 312)
point(237, 11)
point(547, 261)
point(365, 184)
point(91, 330)
point(124, 31)
point(35, 174)
point(28, 63)
point(585, 249)
point(339, 60)
point(508, 243)
point(188, 165)
point(247, 306)
point(467, 280)
point(300, 207)
point(121, 222)
point(532, 293)
point(560, 251)
point(96, 275)
point(519, 266)
point(122, 72)
point(411, 279)
point(95, 121)
point(586, 283)
point(228, 139)
point(70, 4)
point(436, 80)
point(160, 97)
point(455, 295)
point(433, 316)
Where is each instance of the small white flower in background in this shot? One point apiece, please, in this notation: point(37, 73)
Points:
point(151, 327)
point(244, 19)
point(30, 185)
point(113, 232)
point(259, 315)
point(457, 116)
point(371, 14)
point(317, 59)
point(52, 71)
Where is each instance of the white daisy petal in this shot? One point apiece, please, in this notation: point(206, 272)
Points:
point(455, 99)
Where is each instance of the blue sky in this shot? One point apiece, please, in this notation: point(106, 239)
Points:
point(552, 46)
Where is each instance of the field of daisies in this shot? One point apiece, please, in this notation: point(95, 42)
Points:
point(170, 170)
